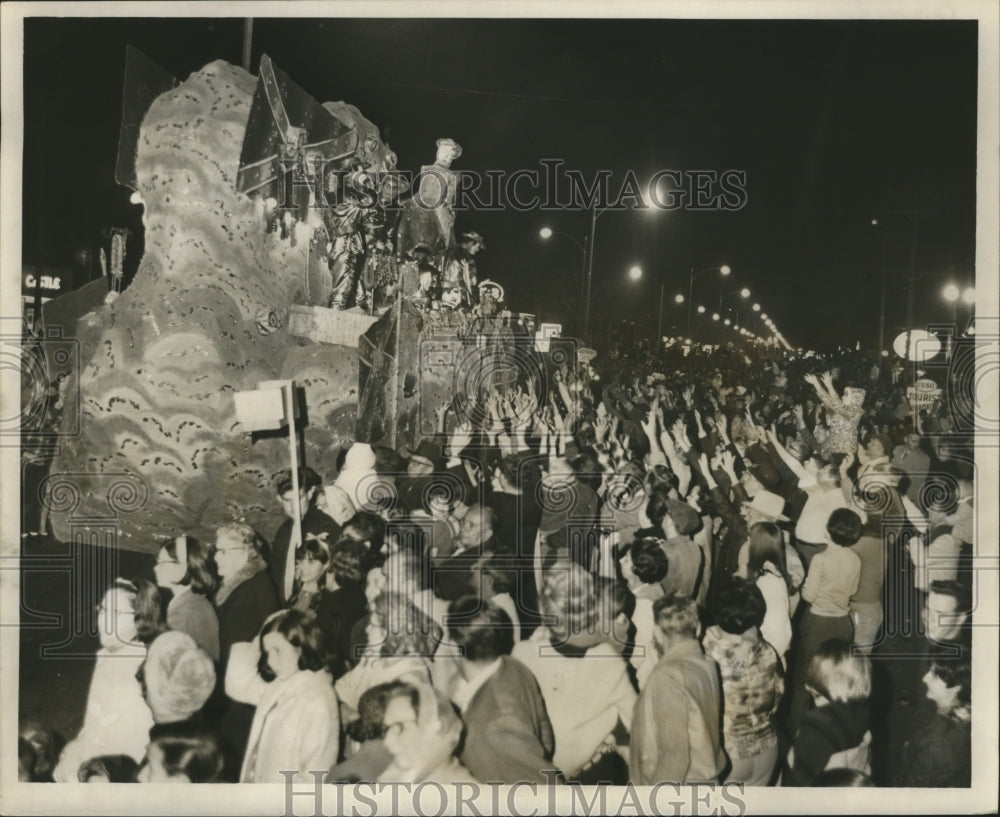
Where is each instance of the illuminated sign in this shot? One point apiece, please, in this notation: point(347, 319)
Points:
point(46, 282)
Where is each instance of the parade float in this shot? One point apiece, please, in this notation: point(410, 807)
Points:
point(281, 244)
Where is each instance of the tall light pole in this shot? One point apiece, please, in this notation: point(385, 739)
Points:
point(743, 293)
point(547, 232)
point(587, 248)
point(590, 271)
point(724, 270)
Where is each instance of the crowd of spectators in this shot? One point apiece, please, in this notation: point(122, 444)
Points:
point(681, 566)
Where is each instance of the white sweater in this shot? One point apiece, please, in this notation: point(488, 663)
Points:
point(297, 723)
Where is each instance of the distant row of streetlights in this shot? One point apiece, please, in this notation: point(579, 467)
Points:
point(635, 273)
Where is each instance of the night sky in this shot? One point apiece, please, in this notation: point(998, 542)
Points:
point(834, 123)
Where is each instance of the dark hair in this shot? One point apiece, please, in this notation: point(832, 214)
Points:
point(956, 590)
point(843, 777)
point(198, 756)
point(587, 468)
point(503, 574)
point(767, 545)
point(365, 526)
point(302, 631)
point(308, 479)
point(315, 549)
point(738, 606)
point(388, 461)
point(657, 507)
point(199, 571)
point(660, 478)
point(371, 710)
point(510, 468)
point(482, 630)
point(649, 562)
point(955, 673)
point(411, 535)
point(613, 595)
point(150, 611)
point(347, 562)
point(844, 527)
point(116, 768)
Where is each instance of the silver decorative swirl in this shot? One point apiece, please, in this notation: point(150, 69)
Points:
point(61, 493)
point(873, 494)
point(984, 391)
point(556, 497)
point(625, 492)
point(127, 493)
point(34, 388)
point(939, 492)
point(374, 492)
point(446, 487)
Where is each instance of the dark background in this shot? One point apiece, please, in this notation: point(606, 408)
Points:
point(835, 123)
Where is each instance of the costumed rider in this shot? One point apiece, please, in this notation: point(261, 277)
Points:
point(428, 218)
point(459, 266)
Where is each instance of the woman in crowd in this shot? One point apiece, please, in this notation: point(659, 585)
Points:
point(366, 754)
point(401, 642)
point(766, 569)
point(312, 560)
point(644, 566)
point(833, 578)
point(243, 600)
point(752, 683)
point(185, 567)
point(343, 604)
point(835, 732)
point(117, 719)
point(177, 679)
point(283, 673)
point(580, 638)
point(246, 595)
point(938, 754)
point(182, 759)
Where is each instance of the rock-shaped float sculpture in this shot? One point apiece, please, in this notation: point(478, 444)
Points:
point(206, 315)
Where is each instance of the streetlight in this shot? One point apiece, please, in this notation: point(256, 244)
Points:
point(635, 272)
point(743, 293)
point(678, 299)
point(587, 247)
point(724, 270)
point(548, 232)
point(701, 310)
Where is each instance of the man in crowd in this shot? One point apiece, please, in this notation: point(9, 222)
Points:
point(508, 734)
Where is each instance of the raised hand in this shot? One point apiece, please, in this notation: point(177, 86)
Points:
point(441, 412)
point(461, 437)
